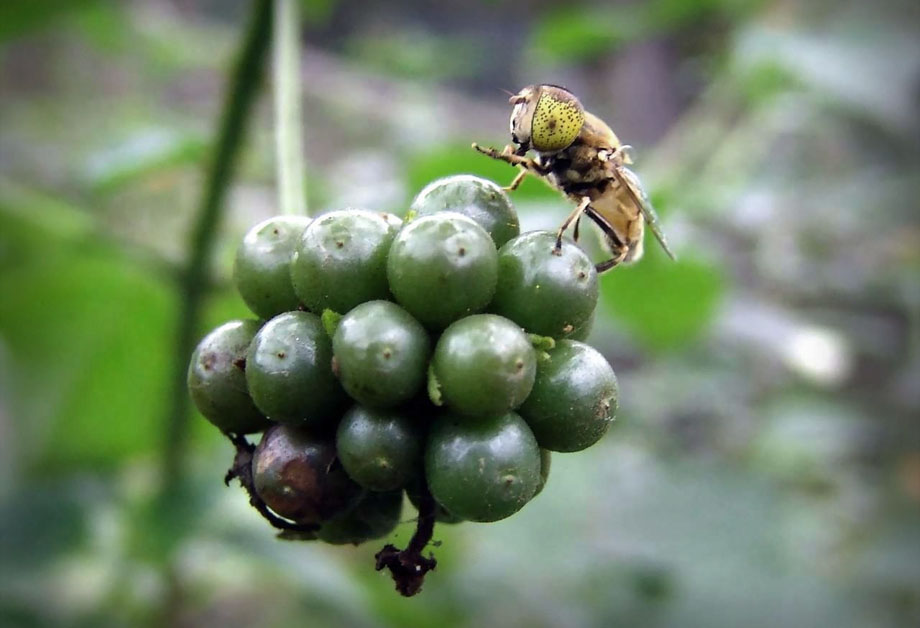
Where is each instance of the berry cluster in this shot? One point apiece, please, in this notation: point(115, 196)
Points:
point(439, 356)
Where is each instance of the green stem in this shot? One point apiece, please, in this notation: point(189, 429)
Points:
point(244, 82)
point(288, 127)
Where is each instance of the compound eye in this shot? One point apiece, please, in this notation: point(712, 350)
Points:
point(556, 123)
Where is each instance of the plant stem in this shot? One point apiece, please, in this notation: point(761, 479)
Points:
point(244, 82)
point(288, 127)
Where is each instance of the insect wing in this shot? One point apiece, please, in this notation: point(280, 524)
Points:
point(640, 197)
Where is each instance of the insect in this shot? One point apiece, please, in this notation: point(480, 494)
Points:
point(578, 154)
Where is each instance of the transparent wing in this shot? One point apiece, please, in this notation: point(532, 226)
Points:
point(639, 196)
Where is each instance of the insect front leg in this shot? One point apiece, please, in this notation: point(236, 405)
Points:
point(509, 157)
point(575, 215)
point(517, 181)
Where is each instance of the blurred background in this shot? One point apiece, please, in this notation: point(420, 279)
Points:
point(765, 465)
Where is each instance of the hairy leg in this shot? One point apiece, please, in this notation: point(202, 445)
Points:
point(517, 181)
point(575, 215)
point(603, 267)
point(618, 248)
point(507, 155)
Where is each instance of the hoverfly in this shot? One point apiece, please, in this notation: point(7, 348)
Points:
point(578, 154)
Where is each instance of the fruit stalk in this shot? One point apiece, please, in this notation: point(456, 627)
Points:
point(408, 567)
point(244, 83)
point(288, 127)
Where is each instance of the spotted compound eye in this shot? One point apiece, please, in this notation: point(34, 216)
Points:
point(557, 121)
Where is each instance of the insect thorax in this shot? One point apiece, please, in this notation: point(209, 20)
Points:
point(576, 170)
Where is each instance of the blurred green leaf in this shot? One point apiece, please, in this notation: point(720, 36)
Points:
point(664, 304)
point(764, 81)
point(19, 17)
point(104, 24)
point(317, 12)
point(89, 336)
point(416, 53)
point(32, 221)
point(142, 154)
point(567, 35)
point(666, 14)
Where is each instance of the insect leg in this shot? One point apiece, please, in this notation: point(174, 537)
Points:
point(509, 157)
point(517, 181)
point(603, 267)
point(617, 247)
point(506, 155)
point(575, 215)
point(575, 231)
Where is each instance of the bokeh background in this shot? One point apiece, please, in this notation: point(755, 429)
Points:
point(765, 465)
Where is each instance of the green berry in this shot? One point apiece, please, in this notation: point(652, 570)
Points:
point(546, 294)
point(380, 449)
point(289, 372)
point(341, 260)
point(217, 380)
point(474, 197)
point(442, 267)
point(261, 271)
point(484, 365)
point(546, 461)
point(297, 474)
point(381, 354)
point(482, 470)
point(574, 398)
point(583, 332)
point(375, 516)
point(393, 221)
